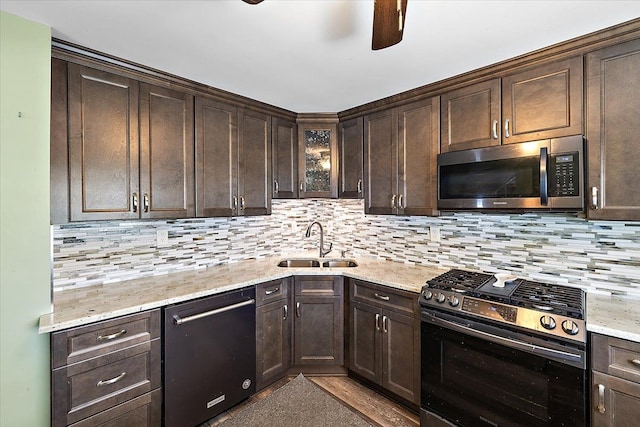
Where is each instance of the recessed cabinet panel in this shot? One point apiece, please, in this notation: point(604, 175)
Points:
point(380, 163)
point(613, 103)
point(471, 117)
point(167, 147)
point(216, 136)
point(103, 144)
point(285, 159)
point(350, 159)
point(543, 102)
point(254, 178)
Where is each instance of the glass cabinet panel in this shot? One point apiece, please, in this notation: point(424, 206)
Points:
point(317, 156)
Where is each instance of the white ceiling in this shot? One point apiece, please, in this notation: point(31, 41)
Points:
point(315, 55)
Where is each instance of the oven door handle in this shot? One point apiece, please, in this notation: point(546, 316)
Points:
point(508, 342)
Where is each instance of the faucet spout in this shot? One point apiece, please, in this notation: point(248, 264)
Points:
point(308, 234)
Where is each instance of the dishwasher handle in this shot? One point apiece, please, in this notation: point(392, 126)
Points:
point(179, 320)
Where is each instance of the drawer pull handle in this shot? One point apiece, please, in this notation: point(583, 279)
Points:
point(112, 336)
point(381, 297)
point(112, 380)
point(635, 361)
point(600, 407)
point(271, 291)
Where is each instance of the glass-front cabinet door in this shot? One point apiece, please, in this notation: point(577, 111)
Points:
point(318, 163)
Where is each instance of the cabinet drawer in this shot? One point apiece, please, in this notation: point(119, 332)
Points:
point(86, 342)
point(323, 286)
point(386, 297)
point(86, 388)
point(616, 356)
point(271, 291)
point(143, 411)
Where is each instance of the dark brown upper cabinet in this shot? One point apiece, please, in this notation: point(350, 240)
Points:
point(537, 103)
point(284, 135)
point(400, 149)
point(612, 129)
point(350, 158)
point(233, 160)
point(130, 148)
point(317, 155)
point(166, 153)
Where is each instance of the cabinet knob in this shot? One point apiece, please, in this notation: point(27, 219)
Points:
point(377, 321)
point(495, 129)
point(359, 186)
point(400, 201)
point(145, 201)
point(506, 128)
point(276, 187)
point(134, 203)
point(301, 186)
point(393, 201)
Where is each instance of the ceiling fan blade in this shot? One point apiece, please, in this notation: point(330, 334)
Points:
point(388, 22)
point(252, 1)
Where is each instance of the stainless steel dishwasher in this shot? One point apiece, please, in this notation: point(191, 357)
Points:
point(209, 356)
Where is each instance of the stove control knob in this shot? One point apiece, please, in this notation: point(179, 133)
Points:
point(570, 327)
point(440, 297)
point(454, 301)
point(548, 322)
point(427, 295)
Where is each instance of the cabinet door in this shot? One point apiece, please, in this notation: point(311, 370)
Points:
point(543, 102)
point(59, 145)
point(365, 355)
point(254, 166)
point(319, 331)
point(273, 339)
point(401, 355)
point(216, 149)
point(613, 103)
point(103, 145)
point(614, 401)
point(166, 153)
point(470, 117)
point(318, 159)
point(350, 148)
point(285, 159)
point(380, 167)
point(418, 144)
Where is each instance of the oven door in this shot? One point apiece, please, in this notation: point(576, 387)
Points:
point(478, 374)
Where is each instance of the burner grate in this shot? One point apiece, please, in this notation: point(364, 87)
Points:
point(546, 297)
point(459, 280)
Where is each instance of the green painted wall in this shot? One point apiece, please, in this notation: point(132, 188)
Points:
point(25, 245)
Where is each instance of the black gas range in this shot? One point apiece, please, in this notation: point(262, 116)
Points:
point(539, 308)
point(502, 353)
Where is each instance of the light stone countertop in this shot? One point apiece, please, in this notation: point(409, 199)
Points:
point(616, 316)
point(82, 306)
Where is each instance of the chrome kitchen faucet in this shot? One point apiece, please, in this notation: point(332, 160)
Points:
point(308, 234)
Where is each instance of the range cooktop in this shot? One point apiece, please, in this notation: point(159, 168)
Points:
point(547, 309)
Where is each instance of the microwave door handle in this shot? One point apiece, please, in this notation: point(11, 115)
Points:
point(544, 177)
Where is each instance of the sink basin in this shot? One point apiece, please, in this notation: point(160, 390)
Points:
point(299, 263)
point(340, 263)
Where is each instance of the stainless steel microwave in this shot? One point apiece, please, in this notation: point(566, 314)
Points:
point(538, 175)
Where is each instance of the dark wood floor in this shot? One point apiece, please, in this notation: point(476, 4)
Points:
point(377, 409)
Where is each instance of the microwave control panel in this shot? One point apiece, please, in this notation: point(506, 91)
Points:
point(564, 175)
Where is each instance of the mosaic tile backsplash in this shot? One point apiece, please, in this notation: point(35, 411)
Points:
point(552, 248)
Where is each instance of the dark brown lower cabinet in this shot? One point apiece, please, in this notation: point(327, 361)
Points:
point(108, 373)
point(273, 331)
point(615, 382)
point(384, 340)
point(319, 321)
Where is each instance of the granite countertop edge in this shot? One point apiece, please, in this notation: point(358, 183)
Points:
point(612, 315)
point(85, 305)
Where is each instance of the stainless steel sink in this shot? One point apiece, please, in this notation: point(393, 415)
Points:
point(299, 263)
point(340, 263)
